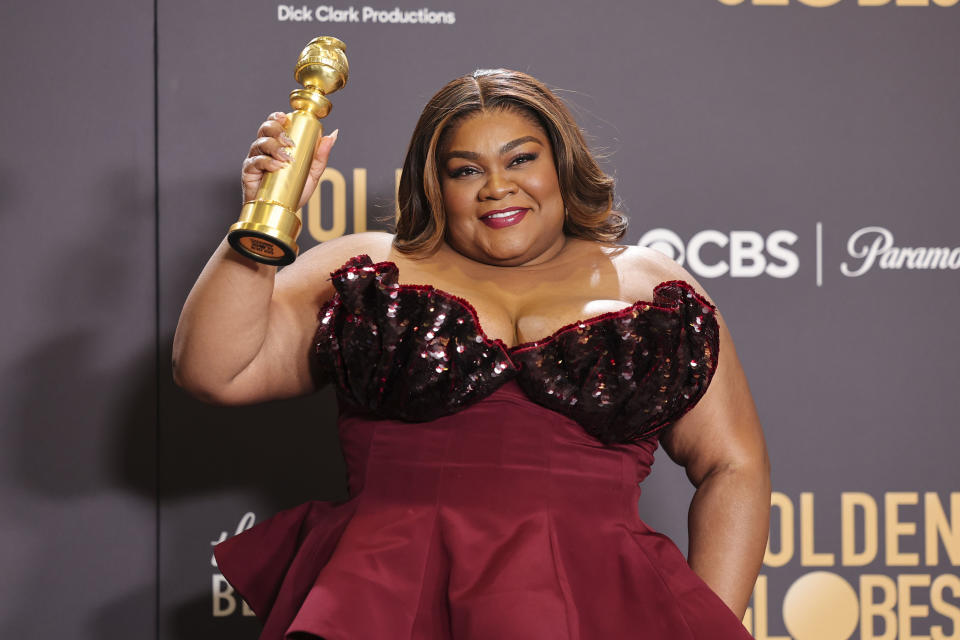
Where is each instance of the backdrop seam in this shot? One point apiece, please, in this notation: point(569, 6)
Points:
point(156, 303)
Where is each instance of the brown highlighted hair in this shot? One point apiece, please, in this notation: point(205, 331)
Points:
point(586, 190)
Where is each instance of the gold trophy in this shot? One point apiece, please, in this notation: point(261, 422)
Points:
point(269, 224)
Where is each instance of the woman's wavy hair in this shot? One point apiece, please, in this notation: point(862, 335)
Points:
point(586, 190)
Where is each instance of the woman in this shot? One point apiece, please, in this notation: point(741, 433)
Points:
point(502, 393)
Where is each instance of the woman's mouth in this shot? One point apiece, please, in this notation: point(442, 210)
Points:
point(504, 217)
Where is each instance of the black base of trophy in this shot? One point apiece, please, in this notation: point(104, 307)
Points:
point(261, 247)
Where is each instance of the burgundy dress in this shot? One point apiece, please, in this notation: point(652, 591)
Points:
point(494, 490)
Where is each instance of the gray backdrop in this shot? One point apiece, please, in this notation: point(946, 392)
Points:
point(800, 159)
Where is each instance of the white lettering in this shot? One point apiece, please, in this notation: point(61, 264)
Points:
point(246, 522)
point(868, 253)
point(708, 236)
point(666, 242)
point(746, 254)
point(289, 13)
point(881, 251)
point(326, 13)
point(401, 16)
point(791, 263)
point(748, 251)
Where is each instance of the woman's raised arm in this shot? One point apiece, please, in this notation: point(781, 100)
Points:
point(244, 332)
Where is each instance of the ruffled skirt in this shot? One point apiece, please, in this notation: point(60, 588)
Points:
point(504, 521)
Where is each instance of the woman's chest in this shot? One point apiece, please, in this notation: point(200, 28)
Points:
point(409, 350)
point(535, 317)
point(526, 307)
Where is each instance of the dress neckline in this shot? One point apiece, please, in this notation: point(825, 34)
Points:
point(364, 262)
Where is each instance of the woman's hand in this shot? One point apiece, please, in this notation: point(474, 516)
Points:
point(272, 151)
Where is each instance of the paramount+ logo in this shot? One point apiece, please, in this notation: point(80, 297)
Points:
point(831, 3)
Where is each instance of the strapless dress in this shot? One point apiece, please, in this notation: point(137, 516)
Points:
point(493, 490)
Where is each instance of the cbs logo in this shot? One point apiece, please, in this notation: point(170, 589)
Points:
point(739, 254)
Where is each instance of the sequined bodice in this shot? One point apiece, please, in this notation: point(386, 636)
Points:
point(415, 353)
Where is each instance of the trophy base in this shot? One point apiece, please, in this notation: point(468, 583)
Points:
point(266, 232)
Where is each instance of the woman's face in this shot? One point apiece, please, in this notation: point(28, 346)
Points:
point(500, 190)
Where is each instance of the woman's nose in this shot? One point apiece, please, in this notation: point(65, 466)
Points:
point(497, 187)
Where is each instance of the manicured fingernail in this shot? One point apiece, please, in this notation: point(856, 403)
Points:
point(333, 136)
point(286, 154)
point(286, 140)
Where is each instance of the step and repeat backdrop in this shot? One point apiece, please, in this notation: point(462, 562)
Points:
point(799, 157)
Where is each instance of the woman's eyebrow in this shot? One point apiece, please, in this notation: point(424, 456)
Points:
point(473, 155)
point(469, 155)
point(519, 141)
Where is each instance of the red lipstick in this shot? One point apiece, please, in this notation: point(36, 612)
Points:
point(504, 217)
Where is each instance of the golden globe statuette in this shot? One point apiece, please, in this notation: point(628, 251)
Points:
point(269, 224)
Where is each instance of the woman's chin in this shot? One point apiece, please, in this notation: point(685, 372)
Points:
point(509, 247)
point(513, 252)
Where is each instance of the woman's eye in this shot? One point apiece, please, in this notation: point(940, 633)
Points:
point(462, 171)
point(523, 158)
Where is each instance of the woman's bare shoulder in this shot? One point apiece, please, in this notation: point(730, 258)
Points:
point(642, 268)
point(334, 253)
point(310, 274)
point(331, 255)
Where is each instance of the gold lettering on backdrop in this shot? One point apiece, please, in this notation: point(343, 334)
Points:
point(941, 606)
point(821, 605)
point(225, 599)
point(396, 193)
point(824, 606)
point(808, 556)
point(860, 524)
point(314, 212)
point(783, 506)
point(757, 625)
point(894, 528)
point(338, 214)
point(224, 603)
point(906, 609)
point(359, 200)
point(871, 609)
point(850, 503)
point(937, 528)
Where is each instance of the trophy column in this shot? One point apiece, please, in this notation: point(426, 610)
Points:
point(270, 223)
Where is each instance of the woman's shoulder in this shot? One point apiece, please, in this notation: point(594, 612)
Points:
point(307, 279)
point(329, 256)
point(642, 268)
point(638, 260)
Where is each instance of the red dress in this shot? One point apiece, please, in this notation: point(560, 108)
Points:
point(494, 490)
